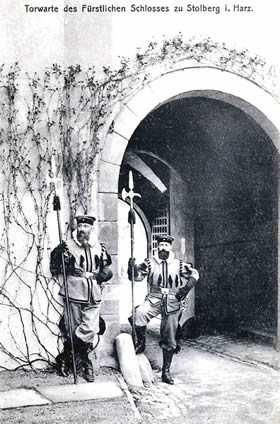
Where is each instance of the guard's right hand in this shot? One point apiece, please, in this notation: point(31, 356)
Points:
point(62, 248)
point(179, 296)
point(59, 252)
point(131, 263)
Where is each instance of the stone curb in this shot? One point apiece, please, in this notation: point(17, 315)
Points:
point(129, 396)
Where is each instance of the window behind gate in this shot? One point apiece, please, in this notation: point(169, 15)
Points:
point(160, 227)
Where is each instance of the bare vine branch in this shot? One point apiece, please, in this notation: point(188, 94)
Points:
point(62, 113)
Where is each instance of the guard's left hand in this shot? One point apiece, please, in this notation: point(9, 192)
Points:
point(179, 296)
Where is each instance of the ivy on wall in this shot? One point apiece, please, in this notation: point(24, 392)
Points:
point(62, 115)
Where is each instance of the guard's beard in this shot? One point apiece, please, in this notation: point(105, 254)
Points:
point(83, 237)
point(163, 254)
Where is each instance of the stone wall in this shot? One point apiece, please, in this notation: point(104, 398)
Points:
point(237, 263)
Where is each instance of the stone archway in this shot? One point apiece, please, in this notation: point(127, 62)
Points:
point(187, 82)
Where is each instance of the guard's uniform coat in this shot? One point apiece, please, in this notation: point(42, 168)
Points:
point(171, 274)
point(83, 288)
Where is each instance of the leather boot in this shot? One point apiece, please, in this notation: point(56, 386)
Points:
point(78, 350)
point(79, 361)
point(167, 359)
point(87, 364)
point(141, 339)
point(64, 360)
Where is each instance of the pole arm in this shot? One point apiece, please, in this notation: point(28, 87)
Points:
point(132, 220)
point(57, 208)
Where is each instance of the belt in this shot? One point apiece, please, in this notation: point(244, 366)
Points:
point(161, 291)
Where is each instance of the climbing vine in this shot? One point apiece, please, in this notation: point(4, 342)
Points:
point(52, 125)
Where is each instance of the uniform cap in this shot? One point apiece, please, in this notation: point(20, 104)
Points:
point(166, 239)
point(85, 219)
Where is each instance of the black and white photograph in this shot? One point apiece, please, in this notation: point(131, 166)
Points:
point(139, 212)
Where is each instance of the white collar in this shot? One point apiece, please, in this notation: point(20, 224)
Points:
point(168, 260)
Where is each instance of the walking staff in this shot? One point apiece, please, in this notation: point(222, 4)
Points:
point(132, 220)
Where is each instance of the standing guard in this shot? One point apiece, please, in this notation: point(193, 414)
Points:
point(87, 265)
point(169, 281)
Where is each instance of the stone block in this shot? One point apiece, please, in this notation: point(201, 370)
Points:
point(79, 392)
point(112, 330)
point(142, 103)
point(169, 85)
point(106, 348)
point(127, 360)
point(108, 233)
point(108, 206)
point(145, 369)
point(111, 292)
point(108, 177)
point(110, 307)
point(126, 122)
point(104, 130)
point(111, 319)
point(21, 397)
point(108, 358)
point(114, 148)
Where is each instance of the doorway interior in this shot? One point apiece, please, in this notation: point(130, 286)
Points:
point(212, 170)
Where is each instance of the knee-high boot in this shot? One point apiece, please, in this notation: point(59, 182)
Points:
point(167, 359)
point(79, 352)
point(64, 359)
point(86, 362)
point(141, 339)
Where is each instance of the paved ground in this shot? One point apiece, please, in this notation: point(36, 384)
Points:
point(212, 389)
point(43, 398)
point(101, 412)
point(236, 348)
point(218, 380)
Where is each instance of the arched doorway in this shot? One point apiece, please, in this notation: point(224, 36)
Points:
point(256, 104)
point(222, 205)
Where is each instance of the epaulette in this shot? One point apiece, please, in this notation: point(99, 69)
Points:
point(103, 247)
point(104, 253)
point(181, 265)
point(148, 261)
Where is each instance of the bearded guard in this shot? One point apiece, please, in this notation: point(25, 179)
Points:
point(169, 281)
point(87, 265)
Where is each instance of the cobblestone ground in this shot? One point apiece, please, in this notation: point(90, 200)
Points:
point(246, 351)
point(218, 379)
point(161, 402)
point(231, 346)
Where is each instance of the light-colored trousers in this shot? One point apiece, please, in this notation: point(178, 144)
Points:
point(169, 322)
point(85, 321)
